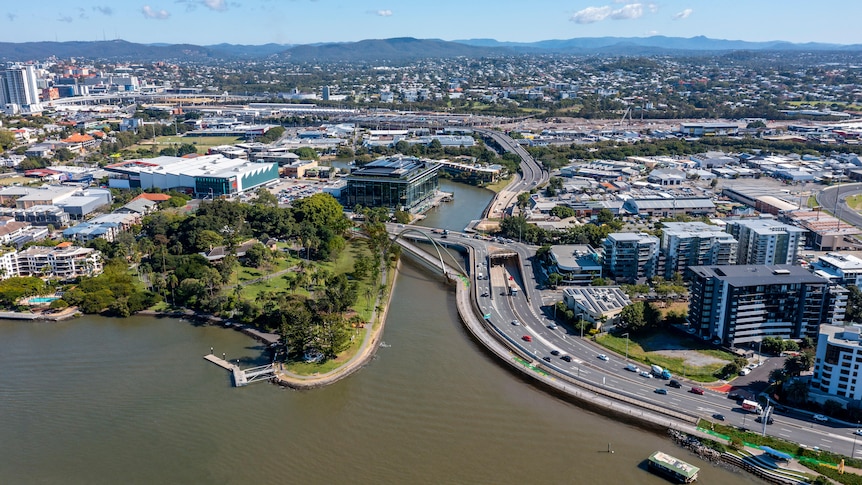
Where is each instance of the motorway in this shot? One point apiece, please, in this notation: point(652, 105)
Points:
point(830, 196)
point(532, 308)
point(532, 174)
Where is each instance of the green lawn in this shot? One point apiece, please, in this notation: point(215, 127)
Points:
point(676, 365)
point(855, 202)
point(309, 368)
point(499, 185)
point(203, 143)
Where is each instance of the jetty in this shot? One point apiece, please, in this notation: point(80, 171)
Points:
point(244, 377)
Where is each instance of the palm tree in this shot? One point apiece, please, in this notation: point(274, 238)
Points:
point(797, 391)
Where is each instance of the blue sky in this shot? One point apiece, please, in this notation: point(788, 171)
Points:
point(207, 22)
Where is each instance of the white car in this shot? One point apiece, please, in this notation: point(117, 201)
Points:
point(821, 418)
point(603, 357)
point(645, 375)
point(858, 432)
point(515, 322)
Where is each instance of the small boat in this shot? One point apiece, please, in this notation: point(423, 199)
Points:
point(673, 468)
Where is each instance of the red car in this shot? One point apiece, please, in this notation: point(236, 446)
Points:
point(527, 338)
point(696, 390)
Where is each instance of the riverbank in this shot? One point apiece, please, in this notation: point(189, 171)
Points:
point(64, 314)
point(370, 344)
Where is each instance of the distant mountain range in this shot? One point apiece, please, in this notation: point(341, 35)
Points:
point(398, 49)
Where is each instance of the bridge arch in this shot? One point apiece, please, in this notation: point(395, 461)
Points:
point(437, 247)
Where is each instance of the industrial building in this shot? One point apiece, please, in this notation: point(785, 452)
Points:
point(399, 183)
point(206, 176)
point(740, 304)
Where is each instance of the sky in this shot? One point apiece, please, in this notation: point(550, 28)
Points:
point(207, 22)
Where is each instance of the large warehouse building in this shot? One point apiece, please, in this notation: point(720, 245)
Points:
point(206, 176)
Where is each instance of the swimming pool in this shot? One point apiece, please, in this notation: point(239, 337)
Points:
point(43, 299)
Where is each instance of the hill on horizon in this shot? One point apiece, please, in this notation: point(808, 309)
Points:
point(398, 49)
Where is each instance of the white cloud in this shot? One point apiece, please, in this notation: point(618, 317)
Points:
point(630, 11)
point(384, 13)
point(151, 13)
point(591, 15)
point(219, 5)
point(683, 15)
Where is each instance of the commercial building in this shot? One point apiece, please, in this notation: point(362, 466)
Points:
point(596, 304)
point(740, 304)
point(206, 176)
point(18, 90)
point(766, 241)
point(630, 256)
point(838, 361)
point(578, 264)
point(669, 206)
point(685, 244)
point(399, 183)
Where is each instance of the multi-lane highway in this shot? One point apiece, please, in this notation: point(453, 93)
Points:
point(532, 174)
point(549, 342)
point(834, 198)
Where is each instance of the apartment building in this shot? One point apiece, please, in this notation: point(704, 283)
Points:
point(838, 361)
point(63, 261)
point(740, 304)
point(630, 256)
point(766, 241)
point(686, 244)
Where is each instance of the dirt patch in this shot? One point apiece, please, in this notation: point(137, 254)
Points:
point(672, 346)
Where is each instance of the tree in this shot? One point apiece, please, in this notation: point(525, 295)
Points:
point(306, 153)
point(632, 316)
point(265, 197)
point(797, 391)
point(854, 304)
point(7, 139)
point(605, 216)
point(797, 364)
point(402, 217)
point(256, 255)
point(554, 279)
point(563, 212)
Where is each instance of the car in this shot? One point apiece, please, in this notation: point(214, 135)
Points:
point(674, 383)
point(515, 322)
point(661, 390)
point(527, 338)
point(645, 375)
point(821, 418)
point(555, 352)
point(603, 357)
point(858, 432)
point(697, 390)
point(718, 417)
point(546, 358)
point(552, 326)
point(632, 368)
point(744, 372)
point(485, 295)
point(567, 358)
point(759, 419)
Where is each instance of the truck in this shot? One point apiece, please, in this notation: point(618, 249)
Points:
point(659, 372)
point(513, 290)
point(752, 406)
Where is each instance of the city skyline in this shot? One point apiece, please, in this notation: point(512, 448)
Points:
point(255, 22)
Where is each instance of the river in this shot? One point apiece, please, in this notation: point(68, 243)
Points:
point(106, 401)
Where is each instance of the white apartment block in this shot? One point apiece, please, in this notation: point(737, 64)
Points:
point(838, 363)
point(55, 262)
point(766, 241)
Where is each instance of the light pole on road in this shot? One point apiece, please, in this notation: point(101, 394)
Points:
point(626, 335)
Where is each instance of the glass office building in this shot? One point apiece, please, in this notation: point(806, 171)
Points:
point(399, 183)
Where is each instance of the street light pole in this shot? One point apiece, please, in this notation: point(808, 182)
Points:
point(626, 335)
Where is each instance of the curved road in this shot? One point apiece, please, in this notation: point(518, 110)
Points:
point(828, 197)
point(528, 309)
point(532, 174)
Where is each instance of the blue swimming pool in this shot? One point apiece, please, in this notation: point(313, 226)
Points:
point(43, 299)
